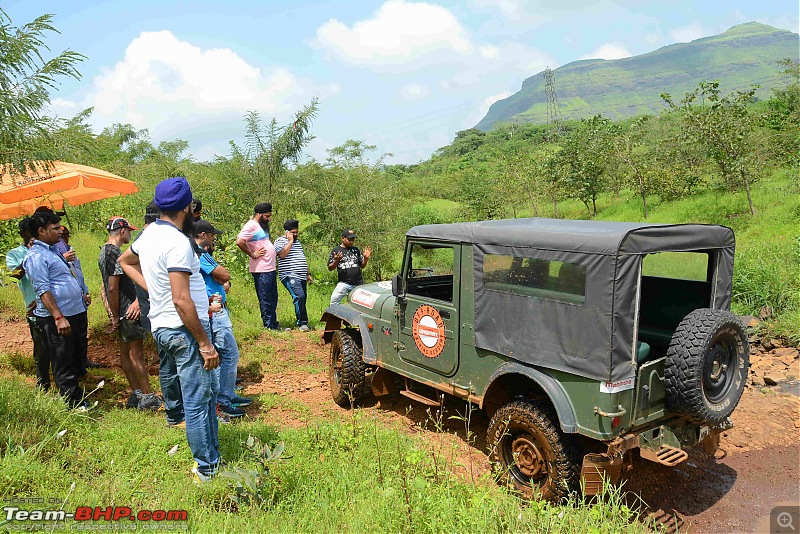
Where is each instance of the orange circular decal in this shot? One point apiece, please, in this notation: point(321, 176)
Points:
point(428, 330)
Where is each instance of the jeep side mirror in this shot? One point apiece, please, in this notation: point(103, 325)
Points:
point(396, 286)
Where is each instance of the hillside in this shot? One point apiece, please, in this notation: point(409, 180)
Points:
point(740, 57)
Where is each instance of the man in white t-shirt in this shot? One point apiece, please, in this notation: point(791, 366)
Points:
point(162, 261)
point(254, 241)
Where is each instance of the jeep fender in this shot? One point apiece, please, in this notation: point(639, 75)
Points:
point(551, 387)
point(337, 314)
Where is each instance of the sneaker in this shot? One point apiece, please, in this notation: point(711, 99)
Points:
point(230, 411)
point(304, 328)
point(93, 365)
point(199, 477)
point(150, 402)
point(287, 329)
point(238, 388)
point(133, 400)
point(181, 425)
point(241, 401)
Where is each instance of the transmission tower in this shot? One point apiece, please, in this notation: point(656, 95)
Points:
point(553, 113)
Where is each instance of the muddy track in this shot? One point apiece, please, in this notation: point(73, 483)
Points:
point(756, 468)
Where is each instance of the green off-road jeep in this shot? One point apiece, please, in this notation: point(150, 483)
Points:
point(584, 341)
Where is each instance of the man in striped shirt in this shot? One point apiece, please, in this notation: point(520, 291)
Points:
point(293, 270)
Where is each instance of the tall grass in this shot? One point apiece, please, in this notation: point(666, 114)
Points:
point(348, 474)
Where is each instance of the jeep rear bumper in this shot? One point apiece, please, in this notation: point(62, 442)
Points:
point(665, 444)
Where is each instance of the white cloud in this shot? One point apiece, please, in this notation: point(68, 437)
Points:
point(175, 89)
point(398, 33)
point(608, 51)
point(516, 12)
point(483, 108)
point(161, 73)
point(690, 32)
point(414, 91)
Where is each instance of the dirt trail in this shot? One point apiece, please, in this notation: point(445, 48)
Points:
point(756, 468)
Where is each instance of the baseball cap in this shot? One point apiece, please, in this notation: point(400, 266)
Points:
point(264, 207)
point(349, 234)
point(152, 210)
point(204, 226)
point(116, 223)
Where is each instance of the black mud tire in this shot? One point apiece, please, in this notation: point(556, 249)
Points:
point(531, 455)
point(347, 368)
point(707, 365)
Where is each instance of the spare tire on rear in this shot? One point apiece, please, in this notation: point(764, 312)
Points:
point(706, 368)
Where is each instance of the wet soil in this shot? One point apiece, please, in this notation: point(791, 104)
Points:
point(756, 468)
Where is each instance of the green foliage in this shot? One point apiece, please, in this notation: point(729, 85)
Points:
point(250, 485)
point(26, 79)
point(724, 126)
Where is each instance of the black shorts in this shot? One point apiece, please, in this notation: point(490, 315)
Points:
point(130, 330)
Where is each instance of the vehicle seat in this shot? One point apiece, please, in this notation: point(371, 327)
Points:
point(642, 352)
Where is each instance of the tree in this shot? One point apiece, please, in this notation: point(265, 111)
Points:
point(270, 150)
point(723, 125)
point(585, 157)
point(633, 154)
point(26, 79)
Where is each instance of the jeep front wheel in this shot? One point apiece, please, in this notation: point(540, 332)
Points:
point(347, 368)
point(706, 366)
point(531, 454)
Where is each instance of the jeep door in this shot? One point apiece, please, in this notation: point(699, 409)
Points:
point(428, 314)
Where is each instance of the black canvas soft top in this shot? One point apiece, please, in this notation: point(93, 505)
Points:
point(596, 337)
point(595, 237)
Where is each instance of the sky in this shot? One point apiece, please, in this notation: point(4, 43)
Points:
point(402, 75)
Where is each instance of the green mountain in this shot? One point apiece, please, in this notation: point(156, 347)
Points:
point(739, 58)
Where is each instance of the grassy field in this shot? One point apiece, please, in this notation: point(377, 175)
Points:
point(347, 473)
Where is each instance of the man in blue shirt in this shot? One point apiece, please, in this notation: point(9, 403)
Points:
point(217, 279)
point(14, 259)
point(60, 305)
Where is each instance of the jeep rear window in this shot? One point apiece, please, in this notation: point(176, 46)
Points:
point(678, 265)
point(532, 277)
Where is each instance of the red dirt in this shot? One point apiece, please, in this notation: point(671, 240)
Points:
point(756, 469)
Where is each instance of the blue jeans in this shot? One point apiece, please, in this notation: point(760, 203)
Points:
point(190, 392)
point(297, 289)
point(267, 292)
point(225, 343)
point(340, 291)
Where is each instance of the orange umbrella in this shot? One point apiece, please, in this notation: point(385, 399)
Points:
point(76, 184)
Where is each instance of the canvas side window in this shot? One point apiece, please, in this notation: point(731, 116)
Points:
point(677, 265)
point(430, 271)
point(532, 277)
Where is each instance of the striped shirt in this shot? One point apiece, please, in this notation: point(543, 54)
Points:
point(295, 264)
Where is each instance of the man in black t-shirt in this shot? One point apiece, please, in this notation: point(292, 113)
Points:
point(348, 262)
point(124, 315)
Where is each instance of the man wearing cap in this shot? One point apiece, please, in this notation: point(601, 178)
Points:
point(163, 261)
point(14, 259)
point(348, 262)
point(124, 315)
point(60, 305)
point(293, 270)
point(197, 209)
point(216, 277)
point(254, 241)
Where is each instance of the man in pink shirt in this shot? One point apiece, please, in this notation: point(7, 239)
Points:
point(254, 241)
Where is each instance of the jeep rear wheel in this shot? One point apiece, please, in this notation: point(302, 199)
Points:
point(706, 367)
point(347, 368)
point(532, 455)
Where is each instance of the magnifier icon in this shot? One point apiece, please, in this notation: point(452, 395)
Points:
point(784, 520)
